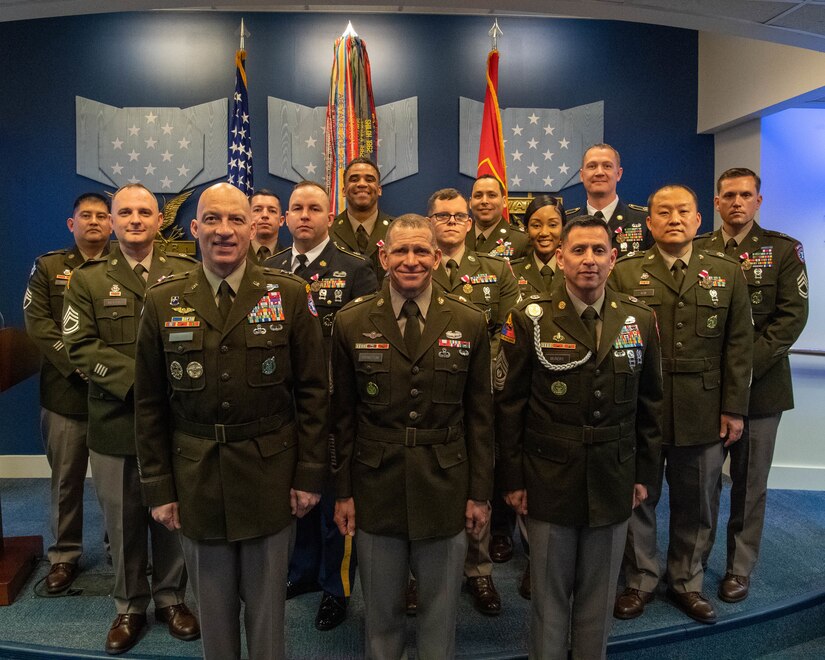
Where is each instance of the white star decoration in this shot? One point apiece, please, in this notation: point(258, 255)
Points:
point(150, 169)
point(515, 181)
point(533, 168)
point(133, 130)
point(117, 168)
point(133, 155)
point(166, 182)
point(310, 168)
point(150, 143)
point(534, 118)
point(548, 130)
point(117, 143)
point(533, 143)
point(151, 117)
point(310, 142)
point(563, 168)
point(563, 143)
point(167, 129)
point(183, 143)
point(183, 170)
point(548, 155)
point(167, 157)
point(516, 155)
point(517, 130)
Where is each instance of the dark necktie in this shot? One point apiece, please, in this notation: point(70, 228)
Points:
point(141, 272)
point(263, 253)
point(362, 238)
point(599, 215)
point(589, 317)
point(452, 269)
point(731, 248)
point(300, 269)
point(224, 299)
point(678, 270)
point(412, 329)
point(547, 276)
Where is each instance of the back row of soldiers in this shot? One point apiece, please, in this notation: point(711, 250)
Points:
point(228, 433)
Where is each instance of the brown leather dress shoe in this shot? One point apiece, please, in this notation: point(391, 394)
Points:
point(524, 585)
point(125, 632)
point(734, 588)
point(182, 623)
point(631, 603)
point(485, 597)
point(501, 549)
point(60, 577)
point(411, 598)
point(694, 604)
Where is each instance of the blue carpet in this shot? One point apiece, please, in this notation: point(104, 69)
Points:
point(790, 568)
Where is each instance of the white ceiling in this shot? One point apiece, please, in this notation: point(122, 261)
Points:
point(782, 21)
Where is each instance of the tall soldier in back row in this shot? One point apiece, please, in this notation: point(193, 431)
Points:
point(63, 387)
point(322, 558)
point(102, 309)
point(701, 303)
point(774, 266)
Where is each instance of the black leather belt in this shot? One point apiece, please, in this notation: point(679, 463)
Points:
point(690, 365)
point(223, 433)
point(587, 435)
point(410, 437)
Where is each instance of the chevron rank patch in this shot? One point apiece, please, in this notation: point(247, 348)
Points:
point(71, 321)
point(101, 369)
point(802, 285)
point(27, 298)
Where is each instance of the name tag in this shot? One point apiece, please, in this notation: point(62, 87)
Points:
point(115, 302)
point(181, 336)
point(643, 293)
point(370, 357)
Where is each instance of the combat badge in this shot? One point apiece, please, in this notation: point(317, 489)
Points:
point(712, 321)
point(176, 369)
point(453, 334)
point(268, 366)
point(756, 298)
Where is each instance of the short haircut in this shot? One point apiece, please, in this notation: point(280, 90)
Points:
point(583, 222)
point(540, 202)
point(677, 186)
point(137, 186)
point(264, 192)
point(362, 160)
point(446, 194)
point(736, 173)
point(490, 176)
point(409, 221)
point(602, 145)
point(91, 197)
point(309, 184)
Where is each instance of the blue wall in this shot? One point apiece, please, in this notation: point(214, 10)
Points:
point(646, 75)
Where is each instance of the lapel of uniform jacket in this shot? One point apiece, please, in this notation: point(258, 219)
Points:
point(378, 234)
point(697, 263)
point(342, 229)
point(532, 274)
point(118, 269)
point(199, 296)
point(469, 266)
point(655, 265)
point(613, 318)
point(438, 318)
point(565, 316)
point(321, 266)
point(383, 318)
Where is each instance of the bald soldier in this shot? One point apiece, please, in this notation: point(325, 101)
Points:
point(102, 308)
point(232, 424)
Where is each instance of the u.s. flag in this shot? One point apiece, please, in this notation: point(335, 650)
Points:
point(240, 137)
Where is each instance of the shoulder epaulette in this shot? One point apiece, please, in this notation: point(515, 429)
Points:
point(708, 234)
point(360, 300)
point(170, 278)
point(280, 252)
point(572, 212)
point(535, 298)
point(460, 299)
point(53, 252)
point(779, 234)
point(184, 257)
point(518, 262)
point(349, 253)
point(483, 256)
point(632, 300)
point(636, 207)
point(631, 255)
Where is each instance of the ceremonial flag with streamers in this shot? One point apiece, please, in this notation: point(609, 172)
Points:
point(491, 148)
point(352, 128)
point(240, 137)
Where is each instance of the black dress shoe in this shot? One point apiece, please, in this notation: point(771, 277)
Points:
point(485, 597)
point(411, 598)
point(734, 588)
point(60, 577)
point(631, 603)
point(182, 623)
point(297, 588)
point(501, 549)
point(331, 612)
point(694, 604)
point(125, 632)
point(524, 584)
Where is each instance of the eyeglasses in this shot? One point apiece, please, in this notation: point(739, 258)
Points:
point(450, 218)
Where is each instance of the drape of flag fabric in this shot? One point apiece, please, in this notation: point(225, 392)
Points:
point(491, 158)
point(351, 127)
point(240, 136)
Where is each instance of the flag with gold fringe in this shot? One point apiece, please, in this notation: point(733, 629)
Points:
point(351, 127)
point(491, 158)
point(240, 136)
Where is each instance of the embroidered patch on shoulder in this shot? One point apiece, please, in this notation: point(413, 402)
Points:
point(508, 332)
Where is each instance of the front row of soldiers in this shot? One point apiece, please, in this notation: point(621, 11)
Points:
point(218, 409)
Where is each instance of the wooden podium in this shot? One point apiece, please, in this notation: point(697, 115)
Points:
point(19, 359)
